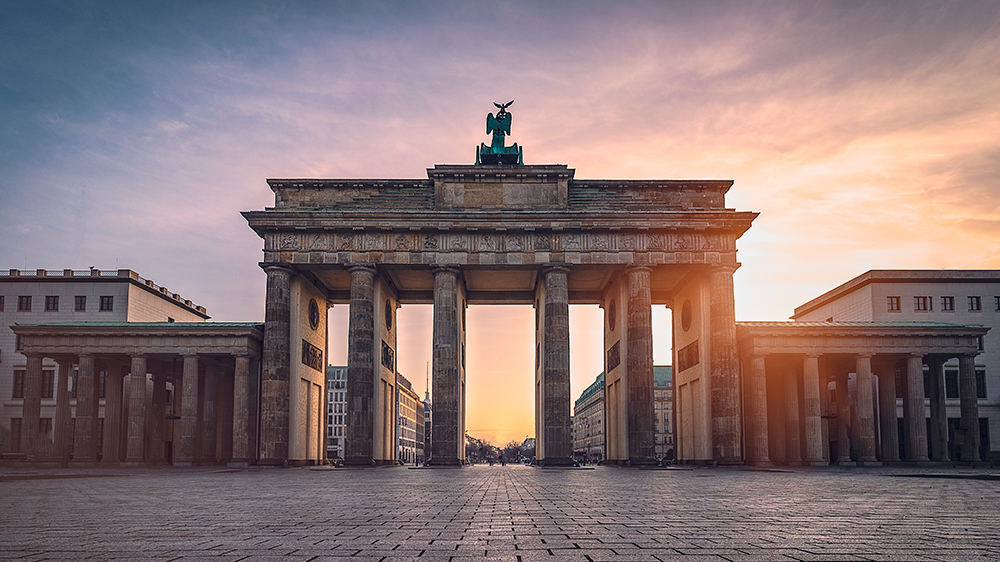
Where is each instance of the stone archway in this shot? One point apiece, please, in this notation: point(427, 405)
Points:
point(502, 234)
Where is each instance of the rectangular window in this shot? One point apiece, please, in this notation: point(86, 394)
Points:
point(893, 304)
point(52, 303)
point(45, 426)
point(948, 304)
point(15, 435)
point(951, 383)
point(975, 304)
point(922, 304)
point(19, 343)
point(980, 383)
point(48, 386)
point(18, 384)
point(107, 303)
point(81, 303)
point(2, 303)
point(24, 303)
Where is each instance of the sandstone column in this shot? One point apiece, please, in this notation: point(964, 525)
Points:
point(114, 406)
point(843, 420)
point(446, 431)
point(274, 400)
point(63, 421)
point(360, 441)
point(725, 368)
point(85, 440)
point(887, 419)
point(939, 416)
point(186, 442)
point(756, 427)
point(555, 369)
point(793, 427)
point(812, 411)
point(241, 411)
point(970, 407)
point(865, 410)
point(31, 409)
point(225, 413)
point(209, 415)
point(913, 412)
point(639, 363)
point(136, 411)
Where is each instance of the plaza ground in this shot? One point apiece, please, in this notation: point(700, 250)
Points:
point(511, 513)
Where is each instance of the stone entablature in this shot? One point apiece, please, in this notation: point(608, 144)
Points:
point(147, 338)
point(928, 338)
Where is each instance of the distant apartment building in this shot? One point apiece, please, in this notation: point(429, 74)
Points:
point(410, 423)
point(336, 411)
point(966, 297)
point(588, 424)
point(663, 410)
point(428, 415)
point(70, 296)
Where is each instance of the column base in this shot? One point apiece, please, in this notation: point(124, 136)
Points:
point(760, 464)
point(817, 463)
point(136, 464)
point(869, 463)
point(846, 463)
point(238, 464)
point(447, 461)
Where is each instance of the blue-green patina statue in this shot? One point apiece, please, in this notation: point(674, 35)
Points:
point(497, 153)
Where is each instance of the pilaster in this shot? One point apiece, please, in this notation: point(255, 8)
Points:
point(186, 443)
point(939, 415)
point(137, 413)
point(865, 411)
point(31, 408)
point(85, 433)
point(812, 411)
point(756, 398)
point(63, 422)
point(913, 411)
point(241, 411)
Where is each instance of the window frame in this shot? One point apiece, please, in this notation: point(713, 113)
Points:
point(24, 303)
point(51, 303)
point(894, 304)
point(948, 304)
point(107, 303)
point(80, 303)
point(17, 384)
point(975, 303)
point(923, 304)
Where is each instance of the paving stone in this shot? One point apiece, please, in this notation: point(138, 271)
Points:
point(510, 514)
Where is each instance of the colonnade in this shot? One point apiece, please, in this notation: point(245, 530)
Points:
point(214, 395)
point(795, 410)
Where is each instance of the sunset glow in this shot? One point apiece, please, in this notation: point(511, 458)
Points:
point(867, 136)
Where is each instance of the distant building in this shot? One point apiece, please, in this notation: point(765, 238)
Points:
point(427, 424)
point(71, 296)
point(588, 425)
point(410, 423)
point(963, 297)
point(663, 410)
point(336, 408)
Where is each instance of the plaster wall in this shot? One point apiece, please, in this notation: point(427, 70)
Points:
point(385, 382)
point(616, 376)
point(693, 383)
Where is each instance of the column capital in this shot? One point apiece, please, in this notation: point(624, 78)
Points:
point(241, 353)
point(272, 266)
point(32, 354)
point(188, 354)
point(137, 355)
point(812, 355)
point(725, 268)
point(564, 267)
point(638, 267)
point(864, 355)
point(915, 354)
point(352, 267)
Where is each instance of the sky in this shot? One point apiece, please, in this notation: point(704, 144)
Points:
point(866, 134)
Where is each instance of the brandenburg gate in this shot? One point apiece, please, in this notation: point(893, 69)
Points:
point(499, 232)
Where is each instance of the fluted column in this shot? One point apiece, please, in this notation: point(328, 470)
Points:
point(447, 436)
point(274, 401)
point(186, 442)
point(241, 411)
point(85, 440)
point(136, 411)
point(843, 420)
point(756, 403)
point(913, 412)
point(793, 425)
point(970, 407)
point(887, 419)
point(31, 409)
point(865, 410)
point(639, 362)
point(555, 369)
point(209, 415)
point(63, 421)
point(114, 406)
point(725, 368)
point(939, 415)
point(812, 411)
point(224, 406)
point(360, 441)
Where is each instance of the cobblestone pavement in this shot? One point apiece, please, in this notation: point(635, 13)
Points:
point(499, 513)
